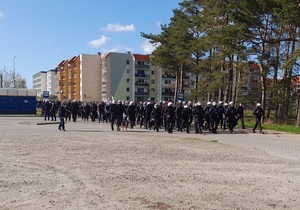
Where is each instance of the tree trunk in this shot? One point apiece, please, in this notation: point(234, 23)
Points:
point(298, 113)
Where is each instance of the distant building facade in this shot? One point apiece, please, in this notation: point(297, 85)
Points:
point(78, 78)
point(44, 81)
point(250, 85)
point(127, 76)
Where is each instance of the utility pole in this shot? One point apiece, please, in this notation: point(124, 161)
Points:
point(14, 73)
point(1, 78)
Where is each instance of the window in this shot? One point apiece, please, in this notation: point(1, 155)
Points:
point(152, 90)
point(153, 81)
point(152, 72)
point(127, 62)
point(127, 71)
point(127, 98)
point(167, 82)
point(127, 89)
point(127, 80)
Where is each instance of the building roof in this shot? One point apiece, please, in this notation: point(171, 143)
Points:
point(73, 58)
point(254, 66)
point(61, 63)
point(141, 57)
point(106, 55)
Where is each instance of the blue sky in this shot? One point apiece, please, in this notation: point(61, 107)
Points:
point(42, 33)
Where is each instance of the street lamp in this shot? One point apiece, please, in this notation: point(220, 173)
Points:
point(14, 72)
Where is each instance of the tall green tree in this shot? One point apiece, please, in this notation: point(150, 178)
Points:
point(173, 43)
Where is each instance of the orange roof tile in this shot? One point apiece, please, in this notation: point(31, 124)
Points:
point(141, 57)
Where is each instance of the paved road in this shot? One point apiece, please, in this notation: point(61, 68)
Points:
point(283, 145)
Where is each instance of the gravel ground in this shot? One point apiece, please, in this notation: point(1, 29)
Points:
point(91, 167)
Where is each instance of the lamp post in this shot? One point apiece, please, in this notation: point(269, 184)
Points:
point(14, 72)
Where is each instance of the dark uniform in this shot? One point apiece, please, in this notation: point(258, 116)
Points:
point(259, 114)
point(207, 116)
point(214, 117)
point(170, 117)
point(186, 114)
point(231, 116)
point(240, 115)
point(198, 114)
point(155, 116)
point(131, 114)
point(114, 113)
point(62, 115)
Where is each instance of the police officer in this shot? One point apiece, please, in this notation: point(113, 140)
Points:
point(198, 114)
point(170, 117)
point(114, 113)
point(62, 115)
point(240, 114)
point(221, 111)
point(178, 114)
point(120, 112)
point(156, 115)
point(185, 115)
point(231, 116)
point(259, 114)
point(214, 117)
point(207, 116)
point(131, 111)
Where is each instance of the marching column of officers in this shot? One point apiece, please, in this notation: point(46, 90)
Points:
point(156, 116)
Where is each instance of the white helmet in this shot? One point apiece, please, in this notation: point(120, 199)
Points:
point(258, 104)
point(230, 103)
point(186, 106)
point(170, 104)
point(214, 103)
point(226, 104)
point(209, 103)
point(199, 104)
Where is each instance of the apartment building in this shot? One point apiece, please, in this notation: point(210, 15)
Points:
point(127, 76)
point(78, 78)
point(249, 87)
point(44, 81)
point(117, 76)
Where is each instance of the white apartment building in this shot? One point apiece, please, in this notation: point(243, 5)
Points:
point(44, 81)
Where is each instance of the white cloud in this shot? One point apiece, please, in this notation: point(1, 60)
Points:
point(98, 42)
point(147, 47)
point(158, 23)
point(1, 15)
point(118, 27)
point(117, 48)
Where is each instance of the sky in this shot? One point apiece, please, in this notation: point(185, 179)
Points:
point(36, 35)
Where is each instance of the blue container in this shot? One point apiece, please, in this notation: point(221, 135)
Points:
point(17, 105)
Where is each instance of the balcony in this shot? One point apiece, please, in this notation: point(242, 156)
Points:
point(142, 75)
point(140, 93)
point(143, 84)
point(142, 66)
point(169, 76)
point(168, 85)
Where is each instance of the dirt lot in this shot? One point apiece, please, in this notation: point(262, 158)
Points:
point(91, 167)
